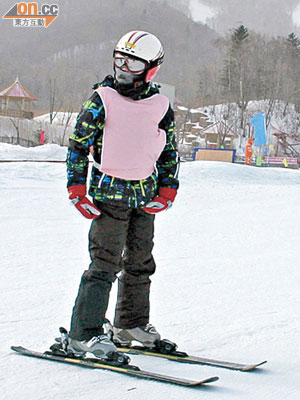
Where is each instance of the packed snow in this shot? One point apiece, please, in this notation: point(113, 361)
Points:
point(226, 286)
point(60, 118)
point(52, 152)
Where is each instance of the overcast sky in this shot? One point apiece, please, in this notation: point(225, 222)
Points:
point(201, 12)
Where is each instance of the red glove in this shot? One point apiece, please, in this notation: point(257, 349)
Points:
point(77, 195)
point(162, 202)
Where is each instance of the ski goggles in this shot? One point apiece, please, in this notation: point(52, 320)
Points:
point(132, 64)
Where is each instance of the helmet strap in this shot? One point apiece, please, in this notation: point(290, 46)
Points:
point(151, 73)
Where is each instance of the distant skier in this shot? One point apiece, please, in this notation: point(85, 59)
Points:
point(129, 128)
point(249, 151)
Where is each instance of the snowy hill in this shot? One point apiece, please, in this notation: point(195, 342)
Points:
point(226, 286)
point(283, 116)
point(61, 118)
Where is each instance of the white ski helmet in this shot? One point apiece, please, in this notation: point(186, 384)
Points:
point(144, 46)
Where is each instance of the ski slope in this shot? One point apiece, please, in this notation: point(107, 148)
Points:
point(227, 283)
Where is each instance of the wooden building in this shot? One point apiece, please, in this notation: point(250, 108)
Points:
point(219, 135)
point(16, 101)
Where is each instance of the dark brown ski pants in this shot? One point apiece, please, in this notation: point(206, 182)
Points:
point(121, 239)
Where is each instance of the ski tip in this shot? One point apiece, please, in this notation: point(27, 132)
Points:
point(253, 366)
point(212, 379)
point(16, 348)
point(204, 381)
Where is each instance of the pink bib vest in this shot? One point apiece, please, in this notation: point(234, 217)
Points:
point(132, 140)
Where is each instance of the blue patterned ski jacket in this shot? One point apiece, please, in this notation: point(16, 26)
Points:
point(87, 138)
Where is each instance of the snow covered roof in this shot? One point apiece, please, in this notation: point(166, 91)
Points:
point(219, 127)
point(198, 111)
point(17, 90)
point(182, 108)
point(278, 132)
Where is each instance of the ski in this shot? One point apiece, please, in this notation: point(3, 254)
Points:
point(186, 358)
point(131, 370)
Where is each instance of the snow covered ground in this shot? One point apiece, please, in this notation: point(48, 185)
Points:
point(227, 283)
point(52, 152)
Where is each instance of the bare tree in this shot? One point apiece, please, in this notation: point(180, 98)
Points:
point(66, 123)
point(16, 124)
point(53, 100)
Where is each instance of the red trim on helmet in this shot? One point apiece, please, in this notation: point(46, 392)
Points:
point(158, 55)
point(132, 36)
point(140, 37)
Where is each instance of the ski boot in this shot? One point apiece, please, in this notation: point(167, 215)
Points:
point(100, 346)
point(147, 336)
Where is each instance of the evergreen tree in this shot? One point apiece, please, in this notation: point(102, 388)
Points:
point(239, 35)
point(294, 43)
point(233, 67)
point(292, 59)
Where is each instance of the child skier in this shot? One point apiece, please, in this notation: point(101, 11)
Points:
point(128, 126)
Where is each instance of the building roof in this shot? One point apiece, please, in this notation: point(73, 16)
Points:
point(17, 90)
point(277, 132)
point(219, 128)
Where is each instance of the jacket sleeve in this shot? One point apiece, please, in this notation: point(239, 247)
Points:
point(168, 162)
point(90, 122)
